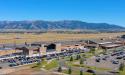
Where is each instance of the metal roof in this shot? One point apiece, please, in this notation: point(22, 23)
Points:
point(105, 41)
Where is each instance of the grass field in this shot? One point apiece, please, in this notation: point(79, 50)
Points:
point(21, 38)
point(76, 72)
point(122, 72)
point(51, 65)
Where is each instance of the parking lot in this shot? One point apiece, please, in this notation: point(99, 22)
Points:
point(18, 61)
point(23, 60)
point(109, 60)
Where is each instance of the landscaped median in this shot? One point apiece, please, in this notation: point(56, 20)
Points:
point(52, 64)
point(122, 72)
point(91, 67)
point(46, 64)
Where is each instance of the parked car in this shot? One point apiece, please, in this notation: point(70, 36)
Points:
point(104, 58)
point(120, 57)
point(123, 58)
point(90, 71)
point(115, 62)
point(97, 60)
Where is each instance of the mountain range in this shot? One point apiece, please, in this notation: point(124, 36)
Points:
point(49, 25)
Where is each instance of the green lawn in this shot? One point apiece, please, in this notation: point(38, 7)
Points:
point(45, 65)
point(91, 67)
point(122, 72)
point(52, 64)
point(88, 55)
point(39, 65)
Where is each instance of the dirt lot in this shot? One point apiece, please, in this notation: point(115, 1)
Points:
point(32, 72)
point(25, 70)
point(21, 38)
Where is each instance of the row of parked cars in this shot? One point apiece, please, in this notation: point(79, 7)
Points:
point(119, 55)
point(22, 60)
point(17, 61)
point(63, 54)
point(115, 57)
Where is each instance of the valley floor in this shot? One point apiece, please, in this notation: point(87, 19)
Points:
point(22, 38)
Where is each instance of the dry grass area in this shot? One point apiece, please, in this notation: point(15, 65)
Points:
point(31, 72)
point(21, 38)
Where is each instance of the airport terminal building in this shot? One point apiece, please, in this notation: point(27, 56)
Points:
point(46, 48)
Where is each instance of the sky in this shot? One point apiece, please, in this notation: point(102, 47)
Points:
point(95, 11)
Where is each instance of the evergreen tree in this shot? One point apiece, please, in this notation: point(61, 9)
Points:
point(77, 57)
point(71, 58)
point(59, 69)
point(69, 70)
point(92, 51)
point(83, 55)
point(38, 63)
point(81, 61)
point(81, 72)
point(121, 67)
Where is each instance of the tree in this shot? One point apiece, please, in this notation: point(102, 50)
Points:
point(59, 69)
point(58, 58)
point(69, 70)
point(83, 55)
point(81, 61)
point(81, 72)
point(71, 58)
point(121, 67)
point(26, 43)
point(104, 51)
point(38, 63)
point(77, 57)
point(92, 51)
